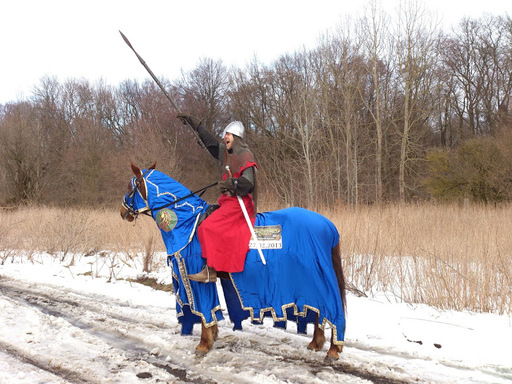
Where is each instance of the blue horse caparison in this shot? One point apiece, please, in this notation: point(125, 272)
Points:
point(298, 283)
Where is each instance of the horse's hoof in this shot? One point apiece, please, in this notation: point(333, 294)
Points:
point(331, 359)
point(314, 346)
point(200, 353)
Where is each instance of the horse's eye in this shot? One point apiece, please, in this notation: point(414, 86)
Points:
point(129, 187)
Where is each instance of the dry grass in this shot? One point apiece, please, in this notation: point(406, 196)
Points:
point(74, 230)
point(449, 256)
point(68, 232)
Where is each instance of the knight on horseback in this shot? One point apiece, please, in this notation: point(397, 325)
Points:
point(227, 225)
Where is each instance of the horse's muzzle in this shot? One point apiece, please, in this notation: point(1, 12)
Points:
point(126, 215)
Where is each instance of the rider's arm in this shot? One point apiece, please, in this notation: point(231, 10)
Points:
point(211, 143)
point(245, 183)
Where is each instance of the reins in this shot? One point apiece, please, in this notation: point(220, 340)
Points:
point(198, 192)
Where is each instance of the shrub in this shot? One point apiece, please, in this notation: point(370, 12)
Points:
point(477, 170)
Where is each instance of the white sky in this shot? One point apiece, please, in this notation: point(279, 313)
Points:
point(80, 39)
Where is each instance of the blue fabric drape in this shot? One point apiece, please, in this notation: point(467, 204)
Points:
point(298, 276)
point(297, 281)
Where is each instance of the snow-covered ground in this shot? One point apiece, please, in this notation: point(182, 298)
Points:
point(59, 324)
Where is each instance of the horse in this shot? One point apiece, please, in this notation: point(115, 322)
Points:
point(299, 279)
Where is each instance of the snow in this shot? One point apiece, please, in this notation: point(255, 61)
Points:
point(87, 323)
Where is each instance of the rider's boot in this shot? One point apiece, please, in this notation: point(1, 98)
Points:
point(207, 275)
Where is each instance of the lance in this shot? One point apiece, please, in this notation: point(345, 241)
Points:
point(219, 166)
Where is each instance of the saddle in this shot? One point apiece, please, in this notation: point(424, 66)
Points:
point(211, 208)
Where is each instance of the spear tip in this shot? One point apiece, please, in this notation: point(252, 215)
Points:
point(125, 39)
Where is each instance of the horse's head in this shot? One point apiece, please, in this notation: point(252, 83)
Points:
point(136, 200)
point(175, 209)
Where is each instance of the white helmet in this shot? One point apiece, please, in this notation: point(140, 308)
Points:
point(235, 128)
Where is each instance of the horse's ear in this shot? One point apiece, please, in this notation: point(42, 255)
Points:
point(153, 166)
point(136, 170)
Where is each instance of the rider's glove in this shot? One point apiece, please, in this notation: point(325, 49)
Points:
point(228, 186)
point(194, 122)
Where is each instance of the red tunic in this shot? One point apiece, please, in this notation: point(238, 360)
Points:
point(224, 235)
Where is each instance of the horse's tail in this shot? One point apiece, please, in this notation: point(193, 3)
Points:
point(338, 269)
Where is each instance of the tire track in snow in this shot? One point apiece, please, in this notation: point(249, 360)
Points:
point(106, 324)
point(316, 365)
point(104, 318)
point(63, 373)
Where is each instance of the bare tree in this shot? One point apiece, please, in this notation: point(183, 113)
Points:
point(379, 52)
point(478, 74)
point(342, 74)
point(494, 67)
point(252, 99)
point(204, 93)
point(415, 40)
point(21, 153)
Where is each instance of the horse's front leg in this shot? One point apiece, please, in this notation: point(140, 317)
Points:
point(318, 338)
point(208, 336)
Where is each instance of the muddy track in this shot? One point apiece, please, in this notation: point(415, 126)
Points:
point(102, 320)
point(65, 374)
point(315, 365)
point(115, 324)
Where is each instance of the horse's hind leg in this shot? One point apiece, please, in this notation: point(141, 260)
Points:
point(208, 336)
point(334, 350)
point(318, 338)
point(215, 332)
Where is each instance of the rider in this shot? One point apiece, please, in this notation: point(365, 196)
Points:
point(224, 235)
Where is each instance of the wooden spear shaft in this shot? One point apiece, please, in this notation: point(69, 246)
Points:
point(219, 166)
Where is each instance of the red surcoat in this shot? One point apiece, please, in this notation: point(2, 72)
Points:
point(224, 235)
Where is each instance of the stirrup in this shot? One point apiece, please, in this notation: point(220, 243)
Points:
point(207, 275)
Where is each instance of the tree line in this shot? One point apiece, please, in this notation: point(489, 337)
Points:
point(379, 110)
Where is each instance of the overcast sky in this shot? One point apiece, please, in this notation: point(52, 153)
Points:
point(80, 39)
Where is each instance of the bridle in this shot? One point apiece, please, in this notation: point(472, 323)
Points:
point(131, 198)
